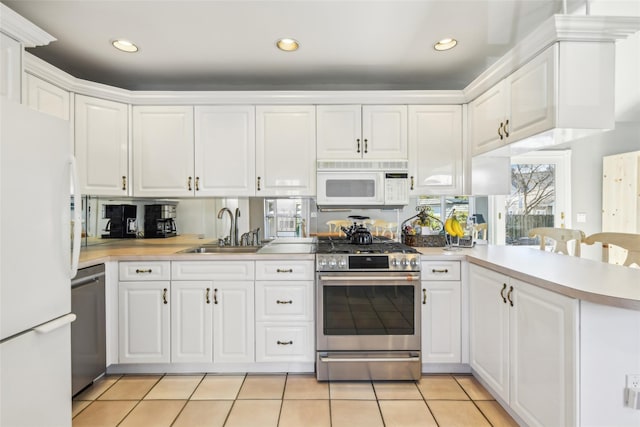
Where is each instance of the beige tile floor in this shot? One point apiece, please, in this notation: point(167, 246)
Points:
point(282, 400)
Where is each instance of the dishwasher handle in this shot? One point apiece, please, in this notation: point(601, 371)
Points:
point(79, 282)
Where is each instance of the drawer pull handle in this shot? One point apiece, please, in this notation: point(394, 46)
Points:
point(197, 183)
point(164, 296)
point(189, 184)
point(509, 295)
point(258, 183)
point(424, 296)
point(285, 270)
point(500, 128)
point(358, 149)
point(139, 271)
point(435, 270)
point(504, 286)
point(284, 302)
point(412, 183)
point(124, 183)
point(215, 296)
point(505, 129)
point(207, 296)
point(285, 342)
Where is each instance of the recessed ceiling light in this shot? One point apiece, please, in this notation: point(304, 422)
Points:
point(445, 44)
point(288, 45)
point(124, 45)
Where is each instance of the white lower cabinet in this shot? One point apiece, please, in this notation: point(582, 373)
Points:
point(523, 345)
point(284, 311)
point(191, 321)
point(441, 310)
point(233, 322)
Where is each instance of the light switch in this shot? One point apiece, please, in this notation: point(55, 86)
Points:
point(581, 217)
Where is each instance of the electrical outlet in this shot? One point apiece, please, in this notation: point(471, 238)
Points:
point(633, 380)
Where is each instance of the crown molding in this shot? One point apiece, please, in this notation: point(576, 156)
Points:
point(22, 30)
point(606, 29)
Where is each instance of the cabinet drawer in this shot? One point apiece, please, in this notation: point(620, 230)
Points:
point(440, 270)
point(212, 270)
point(289, 301)
point(148, 270)
point(279, 342)
point(284, 270)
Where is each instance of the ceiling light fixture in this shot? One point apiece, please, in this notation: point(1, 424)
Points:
point(445, 44)
point(287, 44)
point(125, 46)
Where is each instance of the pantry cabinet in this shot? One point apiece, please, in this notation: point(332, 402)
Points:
point(565, 90)
point(47, 98)
point(435, 149)
point(523, 344)
point(10, 68)
point(286, 150)
point(102, 146)
point(362, 132)
point(441, 311)
point(163, 151)
point(225, 151)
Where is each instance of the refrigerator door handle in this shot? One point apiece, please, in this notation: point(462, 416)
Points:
point(77, 218)
point(45, 328)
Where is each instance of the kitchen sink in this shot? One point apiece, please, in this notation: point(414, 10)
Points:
point(215, 249)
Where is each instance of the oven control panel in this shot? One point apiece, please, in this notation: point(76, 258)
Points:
point(368, 262)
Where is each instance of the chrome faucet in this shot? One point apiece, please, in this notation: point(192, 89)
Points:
point(236, 241)
point(232, 239)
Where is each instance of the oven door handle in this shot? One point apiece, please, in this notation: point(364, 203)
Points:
point(349, 278)
point(328, 359)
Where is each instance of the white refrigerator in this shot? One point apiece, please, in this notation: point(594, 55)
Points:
point(35, 268)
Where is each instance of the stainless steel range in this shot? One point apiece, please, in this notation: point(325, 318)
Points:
point(368, 311)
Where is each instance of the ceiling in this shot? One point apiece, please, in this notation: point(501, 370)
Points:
point(230, 45)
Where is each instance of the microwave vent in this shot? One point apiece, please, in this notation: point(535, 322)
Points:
point(363, 165)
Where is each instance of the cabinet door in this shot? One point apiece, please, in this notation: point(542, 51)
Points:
point(441, 333)
point(143, 322)
point(47, 98)
point(191, 322)
point(286, 150)
point(543, 343)
point(233, 322)
point(225, 151)
point(10, 68)
point(489, 328)
point(384, 132)
point(435, 147)
point(531, 91)
point(102, 146)
point(339, 132)
point(487, 114)
point(163, 151)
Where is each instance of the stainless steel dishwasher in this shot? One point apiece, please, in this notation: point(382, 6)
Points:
point(88, 334)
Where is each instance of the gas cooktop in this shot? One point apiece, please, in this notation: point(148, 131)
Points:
point(380, 245)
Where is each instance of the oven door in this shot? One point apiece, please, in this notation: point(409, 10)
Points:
point(377, 311)
point(350, 188)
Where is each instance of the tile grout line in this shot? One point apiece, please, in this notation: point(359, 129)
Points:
point(473, 401)
point(92, 400)
point(204, 375)
point(139, 400)
point(235, 399)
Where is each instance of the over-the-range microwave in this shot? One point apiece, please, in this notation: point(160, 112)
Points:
point(362, 183)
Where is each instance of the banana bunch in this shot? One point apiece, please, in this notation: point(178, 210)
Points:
point(452, 227)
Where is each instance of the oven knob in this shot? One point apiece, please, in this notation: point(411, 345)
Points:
point(404, 262)
point(342, 263)
point(332, 263)
point(394, 262)
point(322, 262)
point(414, 263)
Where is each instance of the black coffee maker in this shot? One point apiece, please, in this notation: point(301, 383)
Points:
point(122, 221)
point(159, 221)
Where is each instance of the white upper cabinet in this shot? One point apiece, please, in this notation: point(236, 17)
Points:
point(286, 150)
point(101, 146)
point(47, 98)
point(435, 149)
point(362, 132)
point(225, 151)
point(10, 68)
point(563, 93)
point(163, 151)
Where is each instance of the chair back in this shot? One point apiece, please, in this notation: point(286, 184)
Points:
point(560, 236)
point(628, 241)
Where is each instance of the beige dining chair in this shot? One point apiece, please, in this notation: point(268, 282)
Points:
point(385, 228)
point(561, 236)
point(480, 230)
point(334, 226)
point(628, 241)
